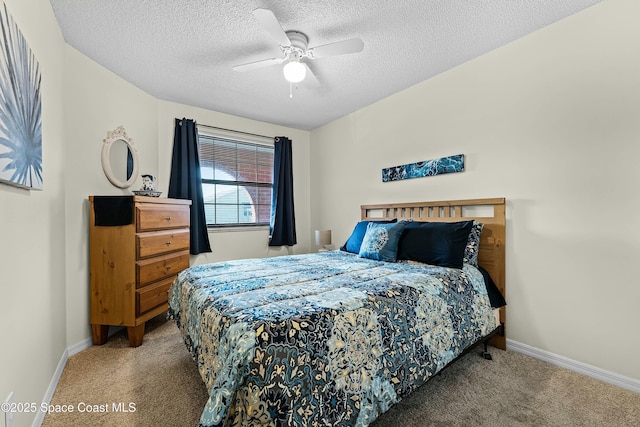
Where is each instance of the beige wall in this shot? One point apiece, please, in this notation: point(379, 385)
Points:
point(96, 101)
point(552, 123)
point(32, 234)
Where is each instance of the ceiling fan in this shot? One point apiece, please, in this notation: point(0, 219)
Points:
point(294, 46)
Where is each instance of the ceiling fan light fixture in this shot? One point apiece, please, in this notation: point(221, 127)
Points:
point(294, 71)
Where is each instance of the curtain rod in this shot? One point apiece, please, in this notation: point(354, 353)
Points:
point(237, 131)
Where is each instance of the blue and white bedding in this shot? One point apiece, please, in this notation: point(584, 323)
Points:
point(322, 339)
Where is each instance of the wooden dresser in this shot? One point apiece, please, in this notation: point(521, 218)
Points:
point(133, 263)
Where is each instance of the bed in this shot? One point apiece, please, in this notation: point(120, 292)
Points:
point(338, 337)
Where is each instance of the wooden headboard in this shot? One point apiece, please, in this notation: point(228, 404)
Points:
point(491, 212)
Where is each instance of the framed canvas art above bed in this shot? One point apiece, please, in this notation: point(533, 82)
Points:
point(338, 337)
point(433, 167)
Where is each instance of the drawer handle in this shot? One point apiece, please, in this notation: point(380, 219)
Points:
point(168, 243)
point(168, 218)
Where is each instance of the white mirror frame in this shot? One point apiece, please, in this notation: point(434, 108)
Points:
point(118, 134)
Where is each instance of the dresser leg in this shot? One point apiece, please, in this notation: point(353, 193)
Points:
point(100, 334)
point(135, 334)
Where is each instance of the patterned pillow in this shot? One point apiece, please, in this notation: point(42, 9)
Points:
point(354, 241)
point(473, 244)
point(380, 241)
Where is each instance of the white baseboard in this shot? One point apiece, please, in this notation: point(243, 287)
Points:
point(573, 365)
point(70, 351)
point(79, 346)
point(52, 387)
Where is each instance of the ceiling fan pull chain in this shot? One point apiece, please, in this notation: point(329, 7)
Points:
point(290, 90)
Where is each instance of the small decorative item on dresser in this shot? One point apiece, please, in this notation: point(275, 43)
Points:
point(148, 183)
point(323, 238)
point(148, 187)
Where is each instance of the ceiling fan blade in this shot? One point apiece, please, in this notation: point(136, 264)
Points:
point(311, 78)
point(273, 27)
point(259, 64)
point(354, 45)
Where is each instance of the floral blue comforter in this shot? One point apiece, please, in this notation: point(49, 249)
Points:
point(322, 339)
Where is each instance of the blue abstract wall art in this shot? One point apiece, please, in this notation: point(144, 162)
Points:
point(20, 108)
point(433, 167)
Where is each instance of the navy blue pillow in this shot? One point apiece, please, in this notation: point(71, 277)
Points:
point(354, 241)
point(436, 243)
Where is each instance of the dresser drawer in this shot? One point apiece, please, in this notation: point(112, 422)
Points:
point(152, 296)
point(161, 242)
point(161, 217)
point(150, 270)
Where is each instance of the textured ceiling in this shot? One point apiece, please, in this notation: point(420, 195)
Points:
point(184, 50)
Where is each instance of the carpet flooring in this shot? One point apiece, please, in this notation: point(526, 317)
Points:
point(158, 385)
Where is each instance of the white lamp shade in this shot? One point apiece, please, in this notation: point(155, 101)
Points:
point(323, 237)
point(294, 71)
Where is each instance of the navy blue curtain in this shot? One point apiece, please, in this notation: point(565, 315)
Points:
point(185, 181)
point(283, 219)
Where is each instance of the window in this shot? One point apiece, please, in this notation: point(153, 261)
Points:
point(237, 181)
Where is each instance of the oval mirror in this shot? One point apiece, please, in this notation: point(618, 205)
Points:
point(119, 158)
